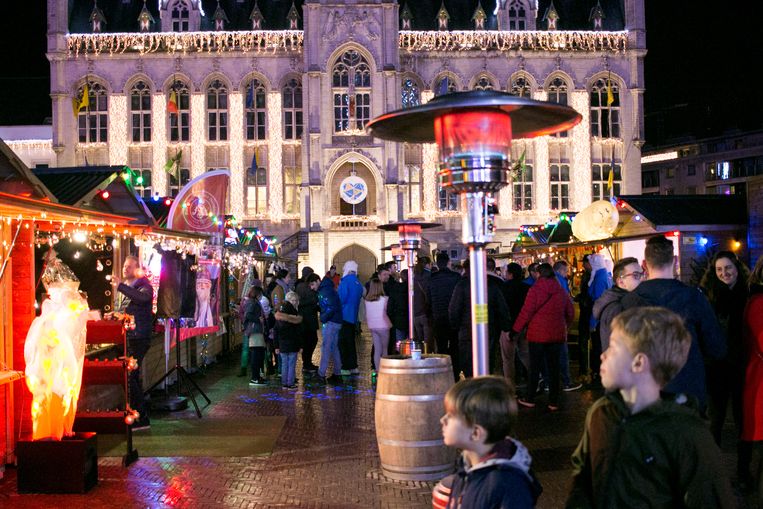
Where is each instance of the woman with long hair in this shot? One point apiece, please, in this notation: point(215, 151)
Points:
point(376, 318)
point(724, 284)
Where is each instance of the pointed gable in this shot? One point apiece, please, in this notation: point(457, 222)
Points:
point(551, 17)
point(97, 19)
point(442, 17)
point(406, 18)
point(258, 20)
point(479, 17)
point(597, 16)
point(293, 17)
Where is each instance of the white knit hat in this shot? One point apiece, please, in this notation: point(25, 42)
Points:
point(350, 266)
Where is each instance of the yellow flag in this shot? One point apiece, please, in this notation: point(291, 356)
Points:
point(610, 95)
point(85, 101)
point(611, 179)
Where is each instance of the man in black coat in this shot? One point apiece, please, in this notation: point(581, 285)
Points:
point(439, 292)
point(308, 308)
point(460, 314)
point(135, 298)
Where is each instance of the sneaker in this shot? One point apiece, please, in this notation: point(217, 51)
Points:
point(525, 403)
point(292, 386)
point(345, 372)
point(259, 381)
point(553, 408)
point(572, 387)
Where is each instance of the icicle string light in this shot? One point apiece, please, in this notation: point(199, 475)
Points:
point(537, 40)
point(186, 42)
point(293, 40)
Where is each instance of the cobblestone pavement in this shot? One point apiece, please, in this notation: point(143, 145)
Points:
point(325, 457)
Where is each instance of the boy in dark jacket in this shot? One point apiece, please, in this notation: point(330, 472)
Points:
point(331, 318)
point(638, 449)
point(494, 469)
point(288, 327)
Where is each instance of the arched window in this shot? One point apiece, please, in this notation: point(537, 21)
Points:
point(483, 83)
point(179, 109)
point(559, 176)
point(517, 16)
point(445, 85)
point(557, 93)
point(92, 119)
point(523, 183)
point(520, 87)
point(605, 109)
point(410, 93)
point(293, 123)
point(351, 82)
point(217, 111)
point(255, 111)
point(257, 182)
point(413, 164)
point(141, 163)
point(179, 16)
point(140, 112)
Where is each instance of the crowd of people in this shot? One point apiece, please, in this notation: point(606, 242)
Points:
point(670, 357)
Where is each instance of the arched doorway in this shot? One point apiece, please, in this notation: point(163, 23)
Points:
point(366, 260)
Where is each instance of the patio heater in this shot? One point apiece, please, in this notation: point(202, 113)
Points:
point(473, 131)
point(398, 254)
point(410, 240)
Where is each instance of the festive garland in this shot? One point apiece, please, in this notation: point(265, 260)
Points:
point(293, 40)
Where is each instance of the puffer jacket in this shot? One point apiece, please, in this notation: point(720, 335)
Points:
point(547, 312)
point(328, 299)
point(141, 296)
point(440, 290)
point(660, 457)
point(501, 480)
point(460, 309)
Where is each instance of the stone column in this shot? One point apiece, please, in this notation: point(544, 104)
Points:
point(275, 153)
point(198, 135)
point(236, 153)
point(580, 178)
point(159, 177)
point(117, 136)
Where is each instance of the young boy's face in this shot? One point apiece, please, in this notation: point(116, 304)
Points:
point(616, 362)
point(455, 432)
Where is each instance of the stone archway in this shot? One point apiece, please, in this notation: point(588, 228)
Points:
point(367, 207)
point(366, 260)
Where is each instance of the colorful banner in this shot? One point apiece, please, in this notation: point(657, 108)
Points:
point(200, 205)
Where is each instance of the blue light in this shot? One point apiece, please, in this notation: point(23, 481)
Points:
point(703, 241)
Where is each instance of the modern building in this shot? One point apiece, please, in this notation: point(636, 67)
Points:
point(32, 144)
point(280, 93)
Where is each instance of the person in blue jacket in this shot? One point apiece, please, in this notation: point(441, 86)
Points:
point(331, 318)
point(350, 292)
point(599, 283)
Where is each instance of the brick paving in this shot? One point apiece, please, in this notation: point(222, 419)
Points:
point(325, 457)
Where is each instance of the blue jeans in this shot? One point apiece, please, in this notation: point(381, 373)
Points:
point(288, 368)
point(330, 348)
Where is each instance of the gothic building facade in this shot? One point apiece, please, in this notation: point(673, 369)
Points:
point(281, 93)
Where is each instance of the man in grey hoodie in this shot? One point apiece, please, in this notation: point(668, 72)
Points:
point(627, 275)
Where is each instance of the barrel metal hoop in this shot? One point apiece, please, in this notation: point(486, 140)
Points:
point(416, 371)
point(448, 467)
point(409, 397)
point(410, 443)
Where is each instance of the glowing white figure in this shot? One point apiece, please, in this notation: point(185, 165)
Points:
point(54, 352)
point(595, 222)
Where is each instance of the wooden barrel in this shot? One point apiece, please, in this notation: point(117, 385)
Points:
point(409, 404)
point(441, 493)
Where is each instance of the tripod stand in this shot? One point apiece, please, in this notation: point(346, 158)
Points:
point(179, 402)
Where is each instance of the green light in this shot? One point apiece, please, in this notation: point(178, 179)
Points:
point(139, 180)
point(125, 176)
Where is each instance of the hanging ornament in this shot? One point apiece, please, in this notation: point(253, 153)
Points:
point(98, 265)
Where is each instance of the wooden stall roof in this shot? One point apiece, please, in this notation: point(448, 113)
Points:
point(45, 211)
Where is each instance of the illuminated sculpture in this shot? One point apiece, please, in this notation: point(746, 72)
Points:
point(54, 353)
point(595, 222)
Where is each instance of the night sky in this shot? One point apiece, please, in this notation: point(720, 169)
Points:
point(699, 68)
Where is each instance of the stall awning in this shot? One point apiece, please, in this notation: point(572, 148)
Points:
point(44, 211)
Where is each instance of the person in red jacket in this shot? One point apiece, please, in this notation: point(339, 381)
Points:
point(752, 398)
point(547, 312)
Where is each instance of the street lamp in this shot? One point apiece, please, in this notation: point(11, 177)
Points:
point(473, 131)
point(410, 240)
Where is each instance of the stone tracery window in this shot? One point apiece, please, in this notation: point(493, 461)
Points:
point(517, 16)
point(557, 93)
point(140, 112)
point(351, 88)
point(605, 118)
point(445, 85)
point(520, 87)
point(92, 118)
point(255, 111)
point(180, 120)
point(410, 93)
point(217, 111)
point(180, 17)
point(483, 83)
point(293, 121)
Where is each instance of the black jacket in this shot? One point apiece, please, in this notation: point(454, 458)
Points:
point(397, 306)
point(605, 309)
point(253, 318)
point(700, 320)
point(515, 293)
point(440, 290)
point(660, 457)
point(460, 309)
point(141, 295)
point(288, 334)
point(308, 306)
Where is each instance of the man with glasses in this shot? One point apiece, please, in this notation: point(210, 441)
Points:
point(627, 275)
